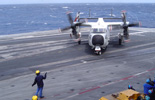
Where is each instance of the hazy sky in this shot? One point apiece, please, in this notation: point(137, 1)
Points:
point(73, 1)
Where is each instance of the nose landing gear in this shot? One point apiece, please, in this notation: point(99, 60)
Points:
point(98, 50)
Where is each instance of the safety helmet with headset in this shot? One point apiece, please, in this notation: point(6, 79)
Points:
point(37, 71)
point(35, 97)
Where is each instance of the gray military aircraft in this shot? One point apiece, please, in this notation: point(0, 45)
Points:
point(99, 35)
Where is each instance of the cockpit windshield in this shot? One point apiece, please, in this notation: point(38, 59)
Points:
point(98, 30)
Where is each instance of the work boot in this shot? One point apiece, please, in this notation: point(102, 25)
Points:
point(42, 97)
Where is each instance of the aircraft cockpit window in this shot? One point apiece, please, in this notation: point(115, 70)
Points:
point(95, 30)
point(100, 30)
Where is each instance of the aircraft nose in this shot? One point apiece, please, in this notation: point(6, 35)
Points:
point(97, 40)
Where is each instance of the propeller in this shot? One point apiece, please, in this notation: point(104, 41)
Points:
point(125, 25)
point(73, 25)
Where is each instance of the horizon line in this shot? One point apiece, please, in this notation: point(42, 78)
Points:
point(85, 3)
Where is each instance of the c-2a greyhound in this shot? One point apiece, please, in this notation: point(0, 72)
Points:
point(99, 35)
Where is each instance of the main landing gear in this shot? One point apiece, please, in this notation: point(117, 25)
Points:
point(79, 42)
point(120, 40)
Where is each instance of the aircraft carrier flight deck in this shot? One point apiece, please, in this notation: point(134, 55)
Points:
point(74, 72)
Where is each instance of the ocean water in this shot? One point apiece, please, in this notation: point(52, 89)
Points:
point(40, 17)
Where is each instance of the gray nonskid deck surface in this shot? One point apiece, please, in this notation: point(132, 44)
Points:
point(74, 71)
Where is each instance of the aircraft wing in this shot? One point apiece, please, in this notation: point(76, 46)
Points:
point(89, 24)
point(115, 25)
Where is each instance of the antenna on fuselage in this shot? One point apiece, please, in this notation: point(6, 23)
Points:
point(112, 12)
point(89, 13)
point(111, 9)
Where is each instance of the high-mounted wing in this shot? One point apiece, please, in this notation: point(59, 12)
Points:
point(115, 25)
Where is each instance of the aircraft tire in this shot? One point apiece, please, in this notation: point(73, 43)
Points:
point(79, 42)
point(120, 41)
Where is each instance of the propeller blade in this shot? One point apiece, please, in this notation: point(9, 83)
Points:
point(124, 17)
point(66, 28)
point(79, 23)
point(70, 18)
point(74, 25)
point(125, 26)
point(134, 24)
point(77, 17)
